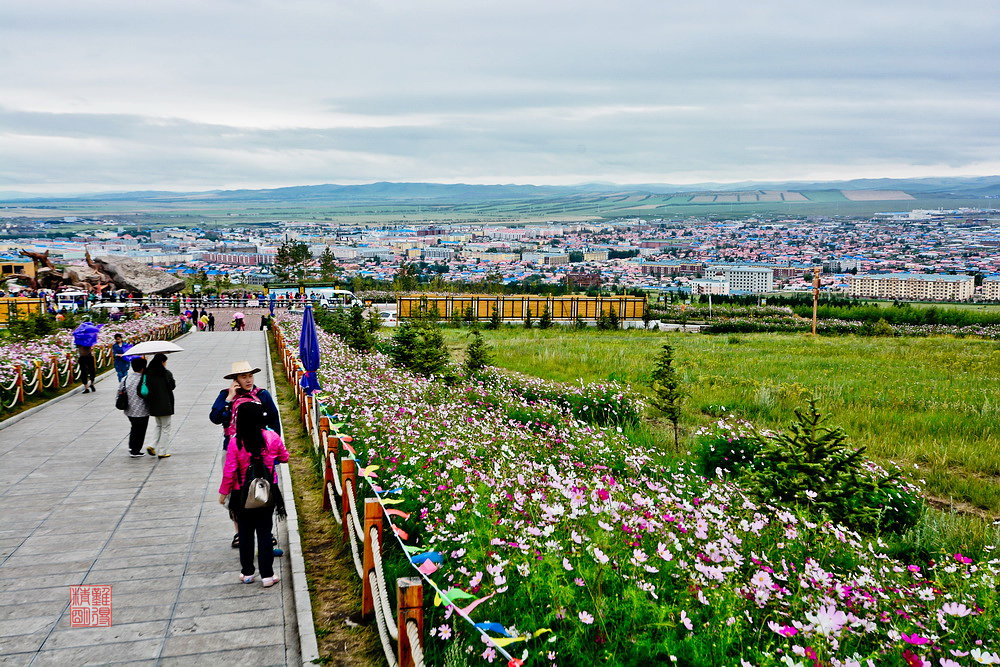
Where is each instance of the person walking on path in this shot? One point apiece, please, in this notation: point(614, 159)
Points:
point(241, 391)
point(211, 321)
point(137, 412)
point(253, 441)
point(121, 363)
point(160, 385)
point(85, 338)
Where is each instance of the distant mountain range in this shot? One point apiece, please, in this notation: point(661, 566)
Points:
point(972, 187)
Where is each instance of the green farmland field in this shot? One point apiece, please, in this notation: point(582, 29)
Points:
point(930, 404)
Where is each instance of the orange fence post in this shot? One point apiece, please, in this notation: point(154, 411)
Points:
point(410, 596)
point(348, 473)
point(373, 519)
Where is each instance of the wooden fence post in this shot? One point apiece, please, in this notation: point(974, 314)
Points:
point(348, 473)
point(373, 519)
point(410, 596)
point(19, 387)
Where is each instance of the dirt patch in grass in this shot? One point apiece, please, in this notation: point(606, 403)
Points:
point(334, 587)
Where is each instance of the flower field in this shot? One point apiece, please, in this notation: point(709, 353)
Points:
point(570, 545)
point(32, 354)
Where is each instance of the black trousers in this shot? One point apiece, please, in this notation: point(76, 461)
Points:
point(88, 369)
point(251, 523)
point(138, 433)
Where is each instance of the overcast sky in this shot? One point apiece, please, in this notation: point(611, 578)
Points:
point(204, 94)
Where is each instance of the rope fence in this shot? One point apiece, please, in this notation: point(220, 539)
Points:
point(57, 372)
point(402, 641)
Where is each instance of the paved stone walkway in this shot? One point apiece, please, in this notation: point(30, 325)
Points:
point(75, 509)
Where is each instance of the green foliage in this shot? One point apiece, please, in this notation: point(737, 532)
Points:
point(33, 326)
point(495, 321)
point(289, 262)
point(579, 324)
point(814, 467)
point(359, 334)
point(478, 355)
point(666, 387)
point(527, 320)
point(327, 265)
point(418, 346)
point(545, 322)
point(406, 279)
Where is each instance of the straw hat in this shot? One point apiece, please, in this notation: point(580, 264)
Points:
point(239, 368)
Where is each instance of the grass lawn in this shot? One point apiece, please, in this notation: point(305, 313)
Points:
point(929, 402)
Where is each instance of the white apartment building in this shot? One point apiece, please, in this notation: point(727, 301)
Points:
point(703, 286)
point(743, 279)
point(991, 288)
point(912, 286)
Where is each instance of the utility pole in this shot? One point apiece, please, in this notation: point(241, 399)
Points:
point(815, 299)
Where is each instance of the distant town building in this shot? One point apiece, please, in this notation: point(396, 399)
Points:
point(584, 280)
point(912, 286)
point(708, 286)
point(676, 268)
point(545, 258)
point(743, 279)
point(991, 288)
point(237, 258)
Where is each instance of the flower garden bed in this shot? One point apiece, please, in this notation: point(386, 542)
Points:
point(570, 545)
point(48, 364)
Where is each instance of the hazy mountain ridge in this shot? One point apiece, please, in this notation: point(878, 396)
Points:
point(452, 192)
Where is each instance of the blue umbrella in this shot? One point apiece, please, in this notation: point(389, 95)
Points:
point(85, 335)
point(309, 352)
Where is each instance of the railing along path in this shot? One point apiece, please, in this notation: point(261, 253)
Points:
point(402, 641)
point(58, 372)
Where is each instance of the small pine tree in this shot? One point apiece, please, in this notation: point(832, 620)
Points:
point(614, 321)
point(527, 320)
point(667, 392)
point(545, 322)
point(579, 323)
point(456, 319)
point(469, 315)
point(359, 336)
point(478, 355)
point(647, 317)
point(419, 347)
point(495, 321)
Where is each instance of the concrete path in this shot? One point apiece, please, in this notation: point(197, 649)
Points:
point(75, 509)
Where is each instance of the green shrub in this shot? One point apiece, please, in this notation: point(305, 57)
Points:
point(813, 466)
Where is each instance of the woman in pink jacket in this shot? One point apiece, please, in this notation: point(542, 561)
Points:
point(252, 440)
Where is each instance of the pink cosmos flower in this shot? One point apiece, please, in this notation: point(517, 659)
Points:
point(915, 639)
point(784, 630)
point(586, 618)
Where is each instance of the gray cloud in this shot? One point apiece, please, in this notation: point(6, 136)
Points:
point(114, 94)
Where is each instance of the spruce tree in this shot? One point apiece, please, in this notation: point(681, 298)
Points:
point(495, 320)
point(527, 320)
point(478, 355)
point(546, 320)
point(418, 346)
point(667, 392)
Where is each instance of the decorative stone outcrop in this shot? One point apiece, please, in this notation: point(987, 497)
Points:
point(137, 277)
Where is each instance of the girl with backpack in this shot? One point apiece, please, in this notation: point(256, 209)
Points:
point(251, 456)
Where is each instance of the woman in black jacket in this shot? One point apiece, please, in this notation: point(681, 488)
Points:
point(160, 402)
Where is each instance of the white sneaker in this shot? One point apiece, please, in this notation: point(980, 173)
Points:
point(246, 578)
point(270, 581)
